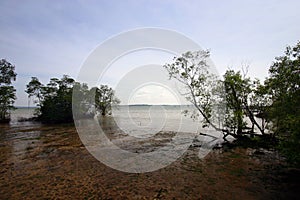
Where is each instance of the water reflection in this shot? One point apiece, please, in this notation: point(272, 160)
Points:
point(18, 138)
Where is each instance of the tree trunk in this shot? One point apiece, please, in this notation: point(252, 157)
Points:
point(103, 111)
point(252, 119)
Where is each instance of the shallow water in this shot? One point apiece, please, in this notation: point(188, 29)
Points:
point(133, 128)
point(49, 161)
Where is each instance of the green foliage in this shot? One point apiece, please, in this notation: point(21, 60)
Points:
point(192, 70)
point(277, 102)
point(226, 102)
point(82, 98)
point(34, 89)
point(235, 89)
point(7, 72)
point(7, 91)
point(54, 100)
point(104, 99)
point(284, 87)
point(244, 99)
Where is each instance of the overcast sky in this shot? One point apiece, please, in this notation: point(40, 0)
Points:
point(50, 38)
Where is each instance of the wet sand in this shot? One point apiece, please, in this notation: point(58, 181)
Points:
point(50, 162)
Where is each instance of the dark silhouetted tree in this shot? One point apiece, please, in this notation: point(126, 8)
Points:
point(7, 91)
point(284, 87)
point(105, 99)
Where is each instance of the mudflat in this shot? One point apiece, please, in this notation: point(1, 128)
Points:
point(50, 162)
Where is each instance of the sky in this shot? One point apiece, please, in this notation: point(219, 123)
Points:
point(51, 38)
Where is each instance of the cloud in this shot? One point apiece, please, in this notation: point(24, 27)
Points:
point(153, 94)
point(51, 38)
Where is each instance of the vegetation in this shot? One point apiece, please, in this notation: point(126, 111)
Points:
point(54, 100)
point(192, 70)
point(7, 91)
point(283, 86)
point(236, 105)
point(104, 99)
point(236, 95)
point(276, 102)
point(244, 99)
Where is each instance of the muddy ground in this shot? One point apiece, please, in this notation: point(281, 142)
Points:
point(50, 162)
